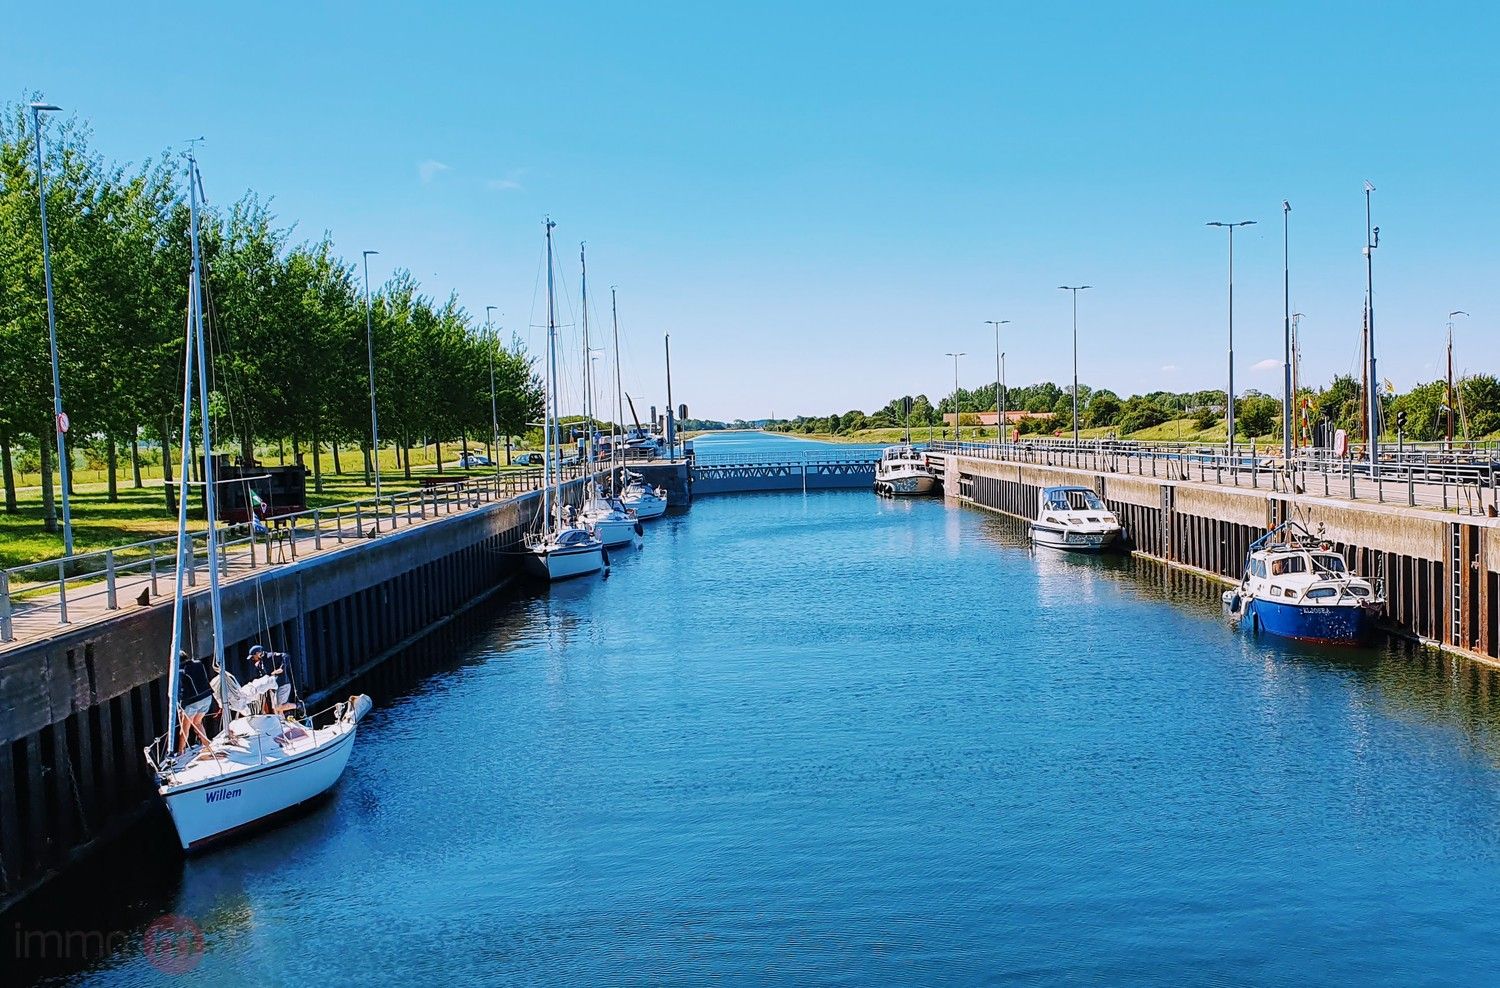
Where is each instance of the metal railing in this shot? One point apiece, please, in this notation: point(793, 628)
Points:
point(143, 569)
point(1450, 480)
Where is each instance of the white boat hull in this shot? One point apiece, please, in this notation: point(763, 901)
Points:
point(911, 485)
point(1089, 541)
point(647, 508)
point(613, 531)
point(216, 808)
point(564, 564)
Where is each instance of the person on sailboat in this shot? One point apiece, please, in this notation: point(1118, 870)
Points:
point(275, 693)
point(198, 699)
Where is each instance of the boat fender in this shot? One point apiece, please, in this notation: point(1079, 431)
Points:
point(639, 529)
point(604, 552)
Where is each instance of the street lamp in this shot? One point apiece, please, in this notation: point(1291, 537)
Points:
point(999, 379)
point(1075, 289)
point(374, 421)
point(494, 416)
point(59, 421)
point(957, 435)
point(1372, 399)
point(1229, 397)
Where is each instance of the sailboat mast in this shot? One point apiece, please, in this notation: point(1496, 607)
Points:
point(179, 605)
point(614, 446)
point(549, 415)
point(210, 492)
point(588, 368)
point(671, 415)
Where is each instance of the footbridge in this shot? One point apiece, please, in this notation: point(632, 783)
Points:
point(728, 474)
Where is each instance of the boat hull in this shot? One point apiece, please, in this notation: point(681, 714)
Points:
point(211, 811)
point(1052, 538)
point(910, 485)
point(648, 507)
point(1329, 625)
point(564, 564)
point(614, 531)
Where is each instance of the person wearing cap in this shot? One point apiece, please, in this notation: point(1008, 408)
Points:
point(195, 699)
point(274, 694)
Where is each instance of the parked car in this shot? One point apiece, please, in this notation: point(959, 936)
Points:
point(474, 460)
point(527, 459)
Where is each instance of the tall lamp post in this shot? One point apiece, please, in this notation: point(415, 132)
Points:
point(1372, 240)
point(1075, 289)
point(957, 435)
point(494, 416)
point(59, 421)
point(374, 420)
point(999, 383)
point(1229, 397)
point(1286, 303)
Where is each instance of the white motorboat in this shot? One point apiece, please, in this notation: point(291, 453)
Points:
point(559, 551)
point(1074, 518)
point(268, 756)
point(1300, 587)
point(902, 470)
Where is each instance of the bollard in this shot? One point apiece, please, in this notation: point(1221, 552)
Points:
point(338, 525)
point(110, 600)
point(7, 633)
point(62, 594)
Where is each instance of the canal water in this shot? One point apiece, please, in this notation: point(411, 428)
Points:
point(837, 738)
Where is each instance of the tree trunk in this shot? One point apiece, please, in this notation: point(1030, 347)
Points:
point(10, 474)
point(437, 447)
point(365, 448)
point(338, 466)
point(112, 460)
point(166, 466)
point(49, 505)
point(135, 456)
point(406, 459)
point(317, 461)
point(507, 451)
point(281, 450)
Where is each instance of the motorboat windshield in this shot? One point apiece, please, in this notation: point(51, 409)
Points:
point(1073, 499)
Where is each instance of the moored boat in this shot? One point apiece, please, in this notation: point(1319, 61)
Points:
point(1298, 586)
point(903, 470)
point(1073, 518)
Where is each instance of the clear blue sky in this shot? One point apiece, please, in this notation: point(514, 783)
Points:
point(817, 201)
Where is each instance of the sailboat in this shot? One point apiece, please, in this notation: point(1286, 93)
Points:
point(560, 550)
point(609, 520)
point(263, 761)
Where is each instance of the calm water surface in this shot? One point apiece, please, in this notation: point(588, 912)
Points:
point(835, 738)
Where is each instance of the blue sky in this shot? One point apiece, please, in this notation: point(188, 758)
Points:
point(818, 201)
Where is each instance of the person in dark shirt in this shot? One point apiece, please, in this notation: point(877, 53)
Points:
point(274, 695)
point(194, 700)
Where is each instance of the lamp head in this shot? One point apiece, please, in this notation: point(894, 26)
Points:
point(41, 107)
point(369, 252)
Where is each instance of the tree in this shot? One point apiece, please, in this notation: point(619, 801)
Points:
point(1104, 409)
point(1257, 415)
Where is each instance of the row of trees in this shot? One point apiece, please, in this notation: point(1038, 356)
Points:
point(286, 320)
point(1476, 409)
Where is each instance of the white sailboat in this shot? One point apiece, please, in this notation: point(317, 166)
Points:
point(609, 520)
point(262, 761)
point(559, 551)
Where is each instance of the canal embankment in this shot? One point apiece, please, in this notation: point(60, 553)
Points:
point(1440, 571)
point(79, 704)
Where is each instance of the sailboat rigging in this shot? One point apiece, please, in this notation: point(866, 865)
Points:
point(263, 760)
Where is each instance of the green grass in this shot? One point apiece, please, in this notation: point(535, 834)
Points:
point(141, 513)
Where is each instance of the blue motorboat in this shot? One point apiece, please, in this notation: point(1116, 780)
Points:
point(1299, 586)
